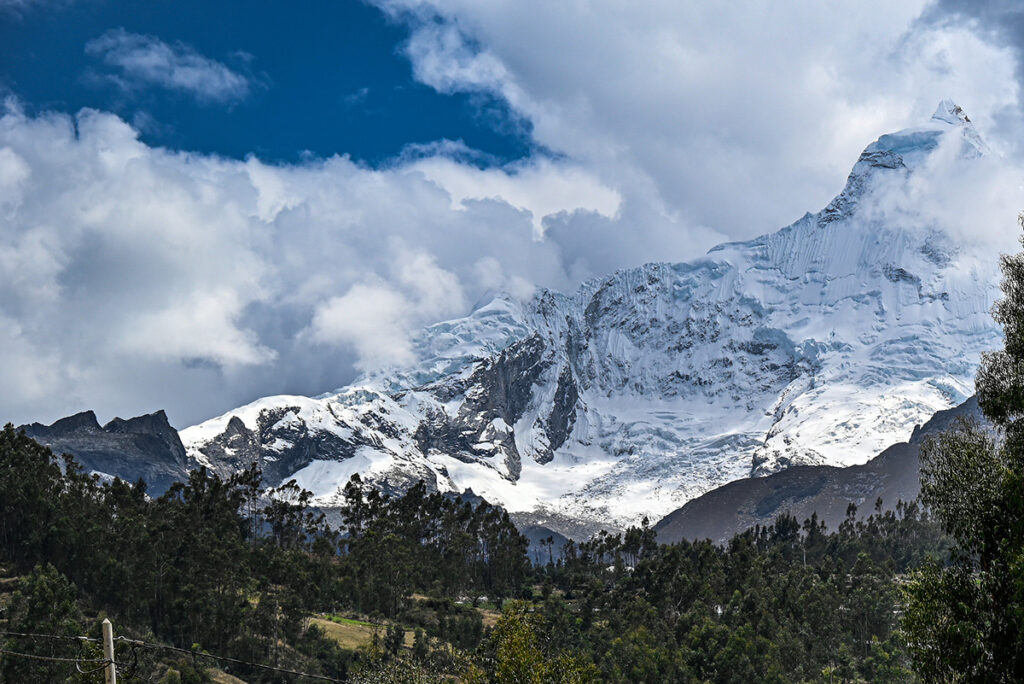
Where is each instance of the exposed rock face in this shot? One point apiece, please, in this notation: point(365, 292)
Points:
point(280, 444)
point(145, 447)
point(821, 343)
point(892, 476)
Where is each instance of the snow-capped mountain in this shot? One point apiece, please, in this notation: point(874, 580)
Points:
point(823, 342)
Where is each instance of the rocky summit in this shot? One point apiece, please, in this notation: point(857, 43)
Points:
point(145, 447)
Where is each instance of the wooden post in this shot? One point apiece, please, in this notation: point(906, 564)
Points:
point(108, 652)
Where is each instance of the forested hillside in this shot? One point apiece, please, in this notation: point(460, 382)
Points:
point(227, 567)
point(218, 565)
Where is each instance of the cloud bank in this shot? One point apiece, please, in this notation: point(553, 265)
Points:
point(735, 118)
point(133, 278)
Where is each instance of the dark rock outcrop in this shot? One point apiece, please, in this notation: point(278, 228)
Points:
point(144, 447)
point(500, 389)
point(280, 445)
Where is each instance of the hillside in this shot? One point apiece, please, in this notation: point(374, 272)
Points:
point(801, 491)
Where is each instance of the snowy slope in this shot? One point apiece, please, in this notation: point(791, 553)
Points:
point(821, 343)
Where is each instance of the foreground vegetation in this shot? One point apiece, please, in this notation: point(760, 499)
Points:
point(221, 566)
point(227, 567)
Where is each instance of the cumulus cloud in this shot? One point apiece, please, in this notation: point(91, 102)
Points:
point(370, 316)
point(974, 200)
point(148, 61)
point(541, 188)
point(720, 119)
point(1003, 24)
point(134, 278)
point(376, 317)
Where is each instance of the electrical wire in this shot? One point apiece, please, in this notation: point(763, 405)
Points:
point(81, 640)
point(49, 636)
point(200, 654)
point(94, 670)
point(135, 643)
point(81, 648)
point(55, 659)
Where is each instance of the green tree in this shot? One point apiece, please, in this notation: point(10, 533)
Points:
point(45, 603)
point(420, 646)
point(394, 639)
point(519, 656)
point(965, 621)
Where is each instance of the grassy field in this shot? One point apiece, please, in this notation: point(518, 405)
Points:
point(350, 633)
point(490, 617)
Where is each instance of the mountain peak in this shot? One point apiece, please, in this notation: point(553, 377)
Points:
point(950, 112)
point(84, 420)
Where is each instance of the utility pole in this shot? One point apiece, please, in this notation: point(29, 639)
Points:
point(110, 673)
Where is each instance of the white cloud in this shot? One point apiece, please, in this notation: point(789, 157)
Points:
point(376, 317)
point(201, 325)
point(13, 172)
point(372, 318)
point(722, 119)
point(975, 201)
point(147, 60)
point(436, 293)
point(541, 188)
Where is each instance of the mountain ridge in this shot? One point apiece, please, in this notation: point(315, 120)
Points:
point(145, 447)
point(826, 491)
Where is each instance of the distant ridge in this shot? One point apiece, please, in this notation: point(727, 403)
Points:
point(891, 476)
point(145, 446)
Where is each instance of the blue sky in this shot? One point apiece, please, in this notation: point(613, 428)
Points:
point(328, 81)
point(203, 203)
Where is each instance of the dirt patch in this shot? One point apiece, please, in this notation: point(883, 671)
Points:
point(490, 617)
point(222, 677)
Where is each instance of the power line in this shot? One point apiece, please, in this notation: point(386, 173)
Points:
point(103, 662)
point(81, 640)
point(230, 660)
point(54, 659)
point(48, 636)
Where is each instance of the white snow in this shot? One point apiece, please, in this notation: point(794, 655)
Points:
point(326, 479)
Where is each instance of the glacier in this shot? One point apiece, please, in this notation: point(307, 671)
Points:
point(821, 343)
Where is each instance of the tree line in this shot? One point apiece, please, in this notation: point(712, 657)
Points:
point(234, 568)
